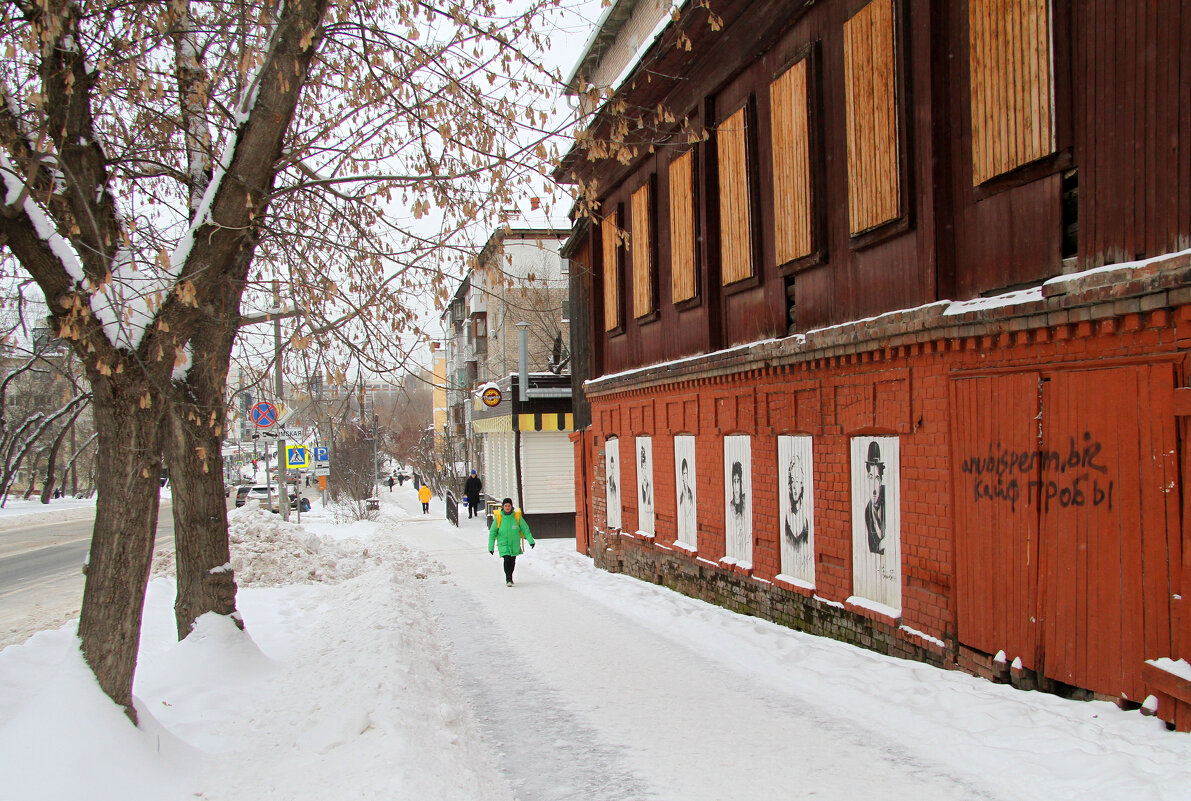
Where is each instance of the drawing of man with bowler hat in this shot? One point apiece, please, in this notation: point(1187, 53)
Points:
point(874, 512)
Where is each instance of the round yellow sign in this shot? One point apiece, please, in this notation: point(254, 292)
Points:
point(491, 396)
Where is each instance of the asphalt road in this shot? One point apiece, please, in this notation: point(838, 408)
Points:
point(41, 579)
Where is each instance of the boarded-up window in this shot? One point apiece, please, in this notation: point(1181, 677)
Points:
point(1009, 51)
point(682, 228)
point(610, 240)
point(642, 250)
point(874, 194)
point(791, 164)
point(736, 261)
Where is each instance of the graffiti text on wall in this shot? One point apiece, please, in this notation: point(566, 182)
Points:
point(1064, 478)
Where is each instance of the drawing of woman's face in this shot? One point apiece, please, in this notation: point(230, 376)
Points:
point(737, 483)
point(794, 480)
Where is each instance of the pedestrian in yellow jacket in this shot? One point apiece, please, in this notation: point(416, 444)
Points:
point(424, 497)
point(508, 531)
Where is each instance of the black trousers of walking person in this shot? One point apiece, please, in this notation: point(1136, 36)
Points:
point(510, 563)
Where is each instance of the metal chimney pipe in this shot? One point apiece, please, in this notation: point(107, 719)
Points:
point(523, 361)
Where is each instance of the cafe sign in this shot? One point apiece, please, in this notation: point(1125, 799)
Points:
point(491, 396)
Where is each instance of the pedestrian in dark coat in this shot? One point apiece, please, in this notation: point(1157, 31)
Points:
point(471, 490)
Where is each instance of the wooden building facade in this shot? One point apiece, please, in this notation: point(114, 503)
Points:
point(865, 234)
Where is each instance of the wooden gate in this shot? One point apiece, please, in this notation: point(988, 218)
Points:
point(996, 421)
point(1067, 519)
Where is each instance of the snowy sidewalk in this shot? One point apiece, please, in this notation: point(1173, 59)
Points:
point(388, 661)
point(598, 686)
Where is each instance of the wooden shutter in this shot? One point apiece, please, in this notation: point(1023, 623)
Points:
point(682, 227)
point(791, 164)
point(611, 246)
point(736, 260)
point(642, 250)
point(1009, 56)
point(874, 192)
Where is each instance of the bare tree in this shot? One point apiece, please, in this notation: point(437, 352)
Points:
point(41, 398)
point(160, 159)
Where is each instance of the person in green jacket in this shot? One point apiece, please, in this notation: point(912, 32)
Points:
point(508, 529)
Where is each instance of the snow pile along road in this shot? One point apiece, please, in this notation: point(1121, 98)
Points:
point(266, 551)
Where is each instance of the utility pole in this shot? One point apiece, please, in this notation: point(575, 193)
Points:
point(279, 388)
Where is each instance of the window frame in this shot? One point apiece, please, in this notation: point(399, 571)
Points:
point(692, 152)
point(752, 193)
point(651, 213)
point(902, 101)
point(1062, 159)
point(618, 265)
point(811, 54)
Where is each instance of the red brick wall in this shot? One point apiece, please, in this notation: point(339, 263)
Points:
point(889, 377)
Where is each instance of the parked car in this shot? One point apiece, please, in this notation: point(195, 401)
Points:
point(268, 497)
point(255, 492)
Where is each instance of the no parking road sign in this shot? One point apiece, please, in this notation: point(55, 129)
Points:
point(297, 456)
point(264, 414)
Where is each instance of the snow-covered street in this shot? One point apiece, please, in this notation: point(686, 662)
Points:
point(389, 661)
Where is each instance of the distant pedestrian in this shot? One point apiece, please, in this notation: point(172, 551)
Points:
point(401, 479)
point(424, 497)
point(392, 481)
point(471, 491)
point(508, 531)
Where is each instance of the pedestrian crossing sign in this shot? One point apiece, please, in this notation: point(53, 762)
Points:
point(297, 456)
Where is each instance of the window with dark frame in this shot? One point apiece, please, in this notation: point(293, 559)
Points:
point(791, 159)
point(610, 243)
point(735, 198)
point(642, 206)
point(1012, 82)
point(683, 277)
point(870, 104)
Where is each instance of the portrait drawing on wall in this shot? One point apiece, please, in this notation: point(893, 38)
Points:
point(612, 481)
point(684, 483)
point(738, 505)
point(876, 519)
point(644, 484)
point(797, 506)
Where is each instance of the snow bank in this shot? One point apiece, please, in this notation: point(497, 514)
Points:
point(269, 552)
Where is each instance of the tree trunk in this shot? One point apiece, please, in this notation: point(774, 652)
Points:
point(129, 416)
point(193, 453)
point(51, 471)
point(33, 467)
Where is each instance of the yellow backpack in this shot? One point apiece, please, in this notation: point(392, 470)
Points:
point(496, 515)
